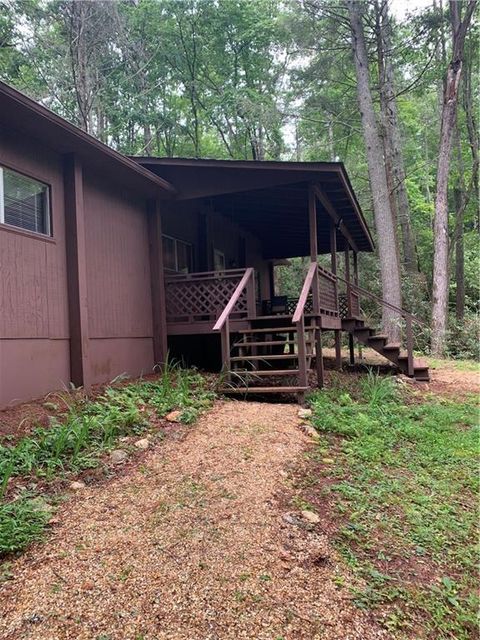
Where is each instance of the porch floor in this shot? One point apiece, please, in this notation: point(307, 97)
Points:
point(200, 327)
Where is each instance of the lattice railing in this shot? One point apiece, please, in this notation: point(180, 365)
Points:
point(328, 293)
point(200, 297)
point(343, 305)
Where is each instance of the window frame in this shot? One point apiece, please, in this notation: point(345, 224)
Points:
point(48, 234)
point(175, 241)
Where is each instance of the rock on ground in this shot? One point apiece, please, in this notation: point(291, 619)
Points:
point(118, 456)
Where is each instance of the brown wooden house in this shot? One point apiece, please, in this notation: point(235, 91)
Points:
point(108, 262)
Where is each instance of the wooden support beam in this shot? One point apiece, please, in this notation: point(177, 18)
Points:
point(333, 258)
point(347, 278)
point(76, 271)
point(312, 219)
point(271, 279)
point(225, 342)
point(302, 353)
point(355, 268)
point(319, 352)
point(330, 209)
point(333, 267)
point(338, 350)
point(351, 349)
point(157, 282)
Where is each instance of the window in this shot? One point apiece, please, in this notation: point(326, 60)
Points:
point(24, 202)
point(218, 260)
point(177, 255)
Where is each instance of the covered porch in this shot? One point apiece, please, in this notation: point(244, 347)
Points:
point(242, 219)
point(309, 212)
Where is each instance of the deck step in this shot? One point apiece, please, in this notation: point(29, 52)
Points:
point(418, 364)
point(291, 328)
point(392, 346)
point(265, 343)
point(265, 372)
point(281, 356)
point(377, 336)
point(247, 390)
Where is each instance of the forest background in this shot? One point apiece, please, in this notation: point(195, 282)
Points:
point(291, 80)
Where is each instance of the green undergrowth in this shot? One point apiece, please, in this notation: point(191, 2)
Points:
point(459, 365)
point(77, 438)
point(405, 486)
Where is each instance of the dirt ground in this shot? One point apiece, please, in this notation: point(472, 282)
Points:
point(196, 543)
point(196, 539)
point(447, 377)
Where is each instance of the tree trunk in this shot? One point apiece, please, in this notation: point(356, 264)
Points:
point(147, 140)
point(393, 145)
point(459, 257)
point(387, 249)
point(472, 129)
point(449, 111)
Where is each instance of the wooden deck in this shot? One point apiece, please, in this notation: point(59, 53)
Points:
point(257, 347)
point(195, 301)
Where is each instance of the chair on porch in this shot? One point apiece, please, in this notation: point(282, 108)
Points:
point(277, 305)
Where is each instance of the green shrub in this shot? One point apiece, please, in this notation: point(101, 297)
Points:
point(21, 522)
point(463, 339)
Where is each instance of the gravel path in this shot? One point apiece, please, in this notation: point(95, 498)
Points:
point(197, 543)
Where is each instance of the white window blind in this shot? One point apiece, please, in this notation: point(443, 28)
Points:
point(24, 202)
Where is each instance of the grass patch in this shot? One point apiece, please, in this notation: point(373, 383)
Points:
point(21, 522)
point(459, 365)
point(79, 436)
point(406, 487)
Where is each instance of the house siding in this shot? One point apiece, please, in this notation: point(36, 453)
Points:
point(34, 332)
point(34, 312)
point(118, 281)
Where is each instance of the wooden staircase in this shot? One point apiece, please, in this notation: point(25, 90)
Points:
point(417, 369)
point(265, 358)
point(274, 354)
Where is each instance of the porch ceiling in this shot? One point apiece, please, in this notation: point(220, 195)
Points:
point(270, 199)
point(278, 216)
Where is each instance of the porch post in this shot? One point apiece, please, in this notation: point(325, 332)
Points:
point(157, 282)
point(355, 279)
point(76, 271)
point(333, 262)
point(319, 351)
point(347, 278)
point(355, 268)
point(312, 217)
point(349, 303)
point(225, 344)
point(271, 279)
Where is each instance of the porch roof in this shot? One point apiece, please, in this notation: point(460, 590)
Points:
point(270, 199)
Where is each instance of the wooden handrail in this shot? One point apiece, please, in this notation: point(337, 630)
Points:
point(307, 285)
point(204, 275)
point(385, 303)
point(325, 272)
point(234, 299)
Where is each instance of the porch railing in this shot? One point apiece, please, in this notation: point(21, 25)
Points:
point(328, 303)
point(201, 297)
point(353, 306)
point(246, 287)
point(319, 297)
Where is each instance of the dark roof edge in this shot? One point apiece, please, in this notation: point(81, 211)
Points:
point(56, 120)
point(232, 164)
point(356, 205)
